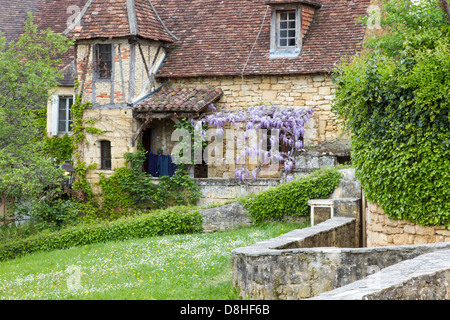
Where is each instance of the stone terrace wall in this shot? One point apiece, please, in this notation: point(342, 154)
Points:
point(275, 269)
point(225, 217)
point(218, 190)
point(383, 231)
point(301, 264)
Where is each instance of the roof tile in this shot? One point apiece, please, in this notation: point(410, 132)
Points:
point(217, 37)
point(179, 100)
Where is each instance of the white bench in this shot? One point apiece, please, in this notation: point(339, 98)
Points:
point(322, 203)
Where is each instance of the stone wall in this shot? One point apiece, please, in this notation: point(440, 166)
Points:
point(218, 191)
point(276, 269)
point(426, 277)
point(315, 90)
point(301, 264)
point(225, 217)
point(383, 231)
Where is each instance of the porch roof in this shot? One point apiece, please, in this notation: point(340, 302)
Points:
point(177, 101)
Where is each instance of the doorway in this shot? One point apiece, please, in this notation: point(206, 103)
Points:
point(147, 145)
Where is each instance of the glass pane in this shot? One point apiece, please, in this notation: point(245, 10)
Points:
point(62, 103)
point(283, 34)
point(291, 24)
point(291, 42)
point(70, 125)
point(291, 15)
point(283, 42)
point(62, 115)
point(283, 16)
point(61, 126)
point(283, 25)
point(291, 33)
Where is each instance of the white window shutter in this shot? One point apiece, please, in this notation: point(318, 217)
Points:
point(55, 113)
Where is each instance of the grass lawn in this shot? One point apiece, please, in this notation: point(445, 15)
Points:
point(180, 267)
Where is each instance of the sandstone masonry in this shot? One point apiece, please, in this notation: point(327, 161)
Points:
point(315, 91)
point(383, 231)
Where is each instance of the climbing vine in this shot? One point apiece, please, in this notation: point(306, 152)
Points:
point(130, 189)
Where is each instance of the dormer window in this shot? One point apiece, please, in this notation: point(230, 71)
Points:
point(286, 25)
point(286, 39)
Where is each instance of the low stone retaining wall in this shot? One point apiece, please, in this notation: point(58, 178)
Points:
point(275, 269)
point(304, 263)
point(426, 277)
point(218, 190)
point(225, 217)
point(383, 231)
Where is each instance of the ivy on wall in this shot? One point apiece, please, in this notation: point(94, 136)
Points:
point(395, 99)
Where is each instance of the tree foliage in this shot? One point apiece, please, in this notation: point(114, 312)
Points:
point(395, 99)
point(28, 71)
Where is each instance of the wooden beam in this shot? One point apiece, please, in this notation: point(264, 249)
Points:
point(166, 115)
point(148, 119)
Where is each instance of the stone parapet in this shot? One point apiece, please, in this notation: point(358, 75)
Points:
point(426, 277)
point(289, 267)
point(308, 262)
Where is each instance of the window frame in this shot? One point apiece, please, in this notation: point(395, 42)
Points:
point(97, 70)
point(68, 109)
point(277, 51)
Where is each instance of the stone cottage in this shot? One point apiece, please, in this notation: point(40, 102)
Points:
point(146, 64)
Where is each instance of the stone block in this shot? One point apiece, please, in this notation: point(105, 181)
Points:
point(421, 230)
point(269, 96)
point(409, 229)
point(325, 91)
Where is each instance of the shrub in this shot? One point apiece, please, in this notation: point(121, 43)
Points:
point(395, 99)
point(131, 188)
point(291, 198)
point(54, 215)
point(175, 220)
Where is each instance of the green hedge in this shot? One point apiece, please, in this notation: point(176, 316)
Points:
point(175, 220)
point(395, 100)
point(291, 198)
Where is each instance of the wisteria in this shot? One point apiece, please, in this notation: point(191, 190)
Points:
point(286, 125)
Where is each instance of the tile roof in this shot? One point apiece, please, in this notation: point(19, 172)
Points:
point(217, 37)
point(314, 3)
point(120, 18)
point(53, 14)
point(13, 15)
point(179, 100)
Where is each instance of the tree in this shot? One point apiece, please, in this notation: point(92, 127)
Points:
point(28, 72)
point(395, 99)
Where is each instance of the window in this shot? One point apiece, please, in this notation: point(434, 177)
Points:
point(286, 25)
point(286, 40)
point(103, 61)
point(105, 155)
point(64, 118)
